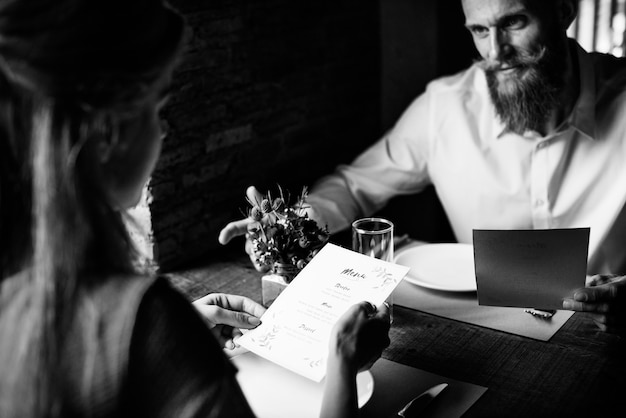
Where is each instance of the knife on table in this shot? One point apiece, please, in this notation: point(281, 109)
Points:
point(417, 405)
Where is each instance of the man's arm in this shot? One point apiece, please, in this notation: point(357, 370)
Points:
point(395, 165)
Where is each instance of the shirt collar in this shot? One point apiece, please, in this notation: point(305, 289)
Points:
point(582, 117)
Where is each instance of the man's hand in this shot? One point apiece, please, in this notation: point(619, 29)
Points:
point(604, 299)
point(241, 227)
point(226, 314)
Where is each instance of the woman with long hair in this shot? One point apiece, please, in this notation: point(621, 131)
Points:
point(82, 330)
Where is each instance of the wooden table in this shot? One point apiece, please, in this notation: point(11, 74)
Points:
point(581, 371)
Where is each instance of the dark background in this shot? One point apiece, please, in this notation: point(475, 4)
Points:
point(280, 92)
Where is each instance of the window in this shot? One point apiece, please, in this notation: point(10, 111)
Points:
point(600, 26)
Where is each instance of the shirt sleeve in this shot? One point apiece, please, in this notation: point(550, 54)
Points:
point(395, 165)
point(176, 367)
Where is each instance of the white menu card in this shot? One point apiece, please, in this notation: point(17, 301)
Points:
point(295, 330)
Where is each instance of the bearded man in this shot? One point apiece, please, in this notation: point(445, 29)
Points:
point(533, 136)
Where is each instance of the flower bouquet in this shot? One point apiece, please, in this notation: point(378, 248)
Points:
point(284, 239)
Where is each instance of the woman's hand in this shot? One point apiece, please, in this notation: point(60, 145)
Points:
point(356, 342)
point(604, 299)
point(226, 314)
point(361, 335)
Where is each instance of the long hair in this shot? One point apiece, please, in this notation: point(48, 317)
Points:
point(69, 70)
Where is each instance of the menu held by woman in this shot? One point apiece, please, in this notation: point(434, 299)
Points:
point(295, 330)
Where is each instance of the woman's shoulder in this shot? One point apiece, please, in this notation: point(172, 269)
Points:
point(114, 305)
point(117, 286)
point(175, 362)
point(127, 326)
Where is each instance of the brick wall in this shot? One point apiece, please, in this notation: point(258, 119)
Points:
point(268, 91)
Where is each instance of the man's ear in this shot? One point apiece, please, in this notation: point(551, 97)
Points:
point(567, 11)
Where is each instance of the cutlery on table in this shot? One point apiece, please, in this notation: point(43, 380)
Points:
point(416, 406)
point(541, 313)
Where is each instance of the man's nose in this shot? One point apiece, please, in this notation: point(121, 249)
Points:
point(497, 45)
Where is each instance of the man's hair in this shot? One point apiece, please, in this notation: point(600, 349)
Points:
point(551, 6)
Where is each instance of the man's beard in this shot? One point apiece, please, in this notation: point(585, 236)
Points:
point(526, 99)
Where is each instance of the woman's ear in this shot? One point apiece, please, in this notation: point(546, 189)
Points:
point(100, 146)
point(104, 150)
point(567, 11)
point(105, 139)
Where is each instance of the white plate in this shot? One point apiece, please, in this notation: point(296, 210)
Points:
point(275, 392)
point(448, 267)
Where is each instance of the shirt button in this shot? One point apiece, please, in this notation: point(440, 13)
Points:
point(539, 202)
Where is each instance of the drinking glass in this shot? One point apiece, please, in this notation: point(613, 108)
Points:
point(374, 237)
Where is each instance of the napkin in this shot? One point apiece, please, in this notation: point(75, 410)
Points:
point(396, 384)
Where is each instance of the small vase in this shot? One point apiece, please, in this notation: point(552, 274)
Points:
point(272, 284)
